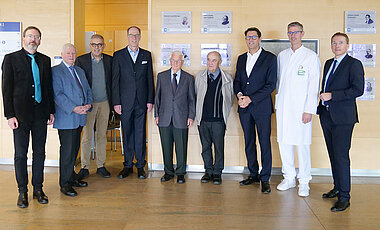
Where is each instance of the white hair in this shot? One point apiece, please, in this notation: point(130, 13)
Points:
point(68, 45)
point(179, 53)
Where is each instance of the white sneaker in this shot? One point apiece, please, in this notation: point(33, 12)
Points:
point(286, 184)
point(303, 190)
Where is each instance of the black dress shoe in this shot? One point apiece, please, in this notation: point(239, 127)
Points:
point(102, 171)
point(265, 187)
point(41, 197)
point(83, 173)
point(206, 178)
point(22, 201)
point(340, 206)
point(181, 179)
point(166, 177)
point(69, 191)
point(79, 183)
point(125, 172)
point(250, 180)
point(331, 194)
point(141, 173)
point(217, 179)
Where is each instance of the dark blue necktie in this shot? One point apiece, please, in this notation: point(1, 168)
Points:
point(36, 78)
point(72, 70)
point(211, 77)
point(174, 82)
point(326, 103)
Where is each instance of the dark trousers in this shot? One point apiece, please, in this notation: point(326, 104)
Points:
point(134, 136)
point(68, 152)
point(212, 133)
point(38, 128)
point(338, 142)
point(262, 124)
point(170, 135)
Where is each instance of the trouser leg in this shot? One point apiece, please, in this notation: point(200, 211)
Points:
point(101, 133)
point(217, 132)
point(287, 158)
point(21, 143)
point(205, 137)
point(166, 135)
point(304, 164)
point(180, 140)
point(39, 132)
point(88, 135)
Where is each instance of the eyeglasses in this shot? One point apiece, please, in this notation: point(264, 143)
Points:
point(36, 37)
point(290, 33)
point(336, 43)
point(176, 61)
point(96, 45)
point(254, 37)
point(134, 35)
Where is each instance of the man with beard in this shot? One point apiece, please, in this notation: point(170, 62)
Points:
point(29, 108)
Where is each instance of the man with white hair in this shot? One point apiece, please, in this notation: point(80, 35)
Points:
point(174, 112)
point(215, 94)
point(73, 98)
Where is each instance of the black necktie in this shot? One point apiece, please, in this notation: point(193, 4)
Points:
point(174, 82)
point(211, 77)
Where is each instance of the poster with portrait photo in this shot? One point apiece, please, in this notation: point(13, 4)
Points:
point(366, 53)
point(360, 22)
point(369, 90)
point(167, 49)
point(223, 48)
point(216, 22)
point(176, 22)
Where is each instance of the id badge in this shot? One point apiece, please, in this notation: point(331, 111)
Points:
point(301, 71)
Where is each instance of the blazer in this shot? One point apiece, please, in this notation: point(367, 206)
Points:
point(85, 62)
point(18, 86)
point(201, 89)
point(260, 83)
point(68, 95)
point(131, 81)
point(345, 85)
point(177, 106)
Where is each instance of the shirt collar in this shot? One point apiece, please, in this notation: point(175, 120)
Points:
point(93, 58)
point(255, 54)
point(133, 52)
point(172, 72)
point(67, 65)
point(340, 58)
point(215, 74)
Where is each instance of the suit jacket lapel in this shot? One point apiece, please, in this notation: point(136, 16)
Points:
point(338, 69)
point(128, 58)
point(244, 65)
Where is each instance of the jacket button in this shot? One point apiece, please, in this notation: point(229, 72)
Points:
point(248, 83)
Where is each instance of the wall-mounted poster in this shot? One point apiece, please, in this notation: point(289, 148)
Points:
point(369, 90)
point(277, 45)
point(360, 22)
point(176, 22)
point(167, 49)
point(10, 38)
point(223, 48)
point(366, 53)
point(215, 22)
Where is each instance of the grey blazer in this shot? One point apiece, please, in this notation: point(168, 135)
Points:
point(175, 107)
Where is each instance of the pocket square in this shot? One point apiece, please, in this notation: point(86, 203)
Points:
point(144, 62)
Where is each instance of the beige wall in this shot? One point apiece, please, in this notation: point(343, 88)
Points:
point(57, 20)
point(320, 18)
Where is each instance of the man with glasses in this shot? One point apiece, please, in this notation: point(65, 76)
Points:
point(174, 112)
point(133, 97)
point(29, 107)
point(97, 67)
point(296, 102)
point(255, 80)
point(343, 82)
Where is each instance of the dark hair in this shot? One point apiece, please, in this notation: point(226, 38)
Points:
point(31, 28)
point(368, 15)
point(341, 34)
point(253, 29)
point(133, 27)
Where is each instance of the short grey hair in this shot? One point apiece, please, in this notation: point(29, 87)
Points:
point(295, 24)
point(68, 45)
point(177, 52)
point(217, 54)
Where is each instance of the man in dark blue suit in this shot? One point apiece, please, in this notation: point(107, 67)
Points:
point(255, 80)
point(343, 82)
point(132, 97)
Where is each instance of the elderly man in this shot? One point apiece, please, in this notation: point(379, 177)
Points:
point(255, 80)
point(97, 67)
point(174, 113)
point(133, 97)
point(343, 82)
point(73, 99)
point(29, 107)
point(296, 102)
point(214, 92)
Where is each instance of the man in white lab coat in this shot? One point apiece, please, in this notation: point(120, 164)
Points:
point(296, 102)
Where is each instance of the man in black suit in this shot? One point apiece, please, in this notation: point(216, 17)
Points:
point(132, 97)
point(97, 67)
point(29, 107)
point(255, 80)
point(174, 113)
point(343, 82)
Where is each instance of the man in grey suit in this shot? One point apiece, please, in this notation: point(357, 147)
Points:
point(174, 112)
point(73, 98)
